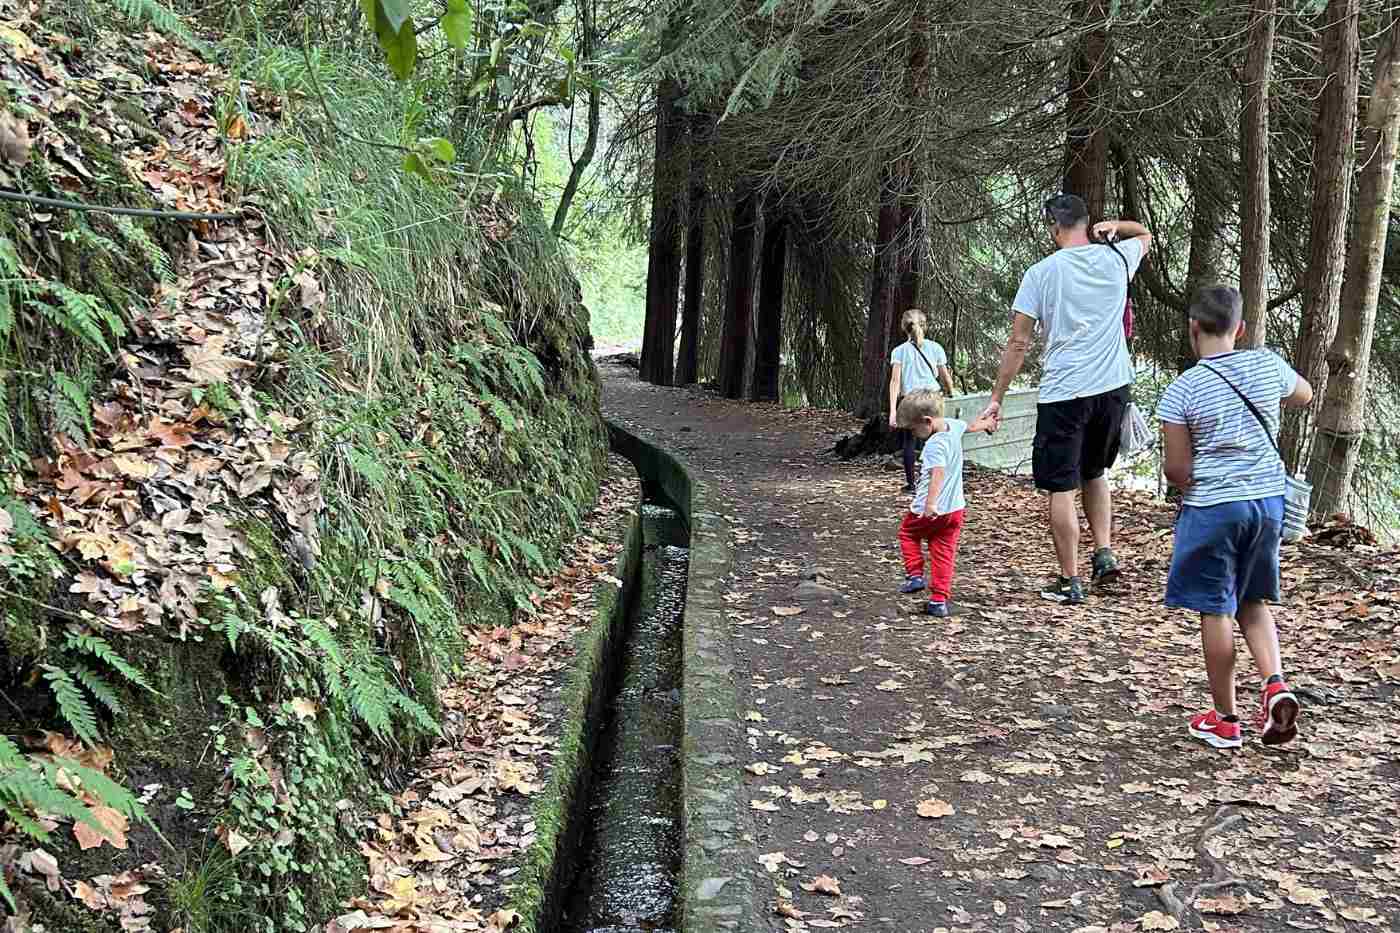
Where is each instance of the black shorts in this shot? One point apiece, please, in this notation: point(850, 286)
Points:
point(1077, 440)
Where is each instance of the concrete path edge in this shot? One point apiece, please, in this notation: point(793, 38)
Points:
point(720, 887)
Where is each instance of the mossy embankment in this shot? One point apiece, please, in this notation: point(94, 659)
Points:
point(407, 431)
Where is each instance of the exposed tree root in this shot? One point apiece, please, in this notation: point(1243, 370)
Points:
point(1183, 908)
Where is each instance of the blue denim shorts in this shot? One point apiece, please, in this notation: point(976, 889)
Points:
point(1226, 555)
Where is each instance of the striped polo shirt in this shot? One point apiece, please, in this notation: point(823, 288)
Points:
point(1232, 458)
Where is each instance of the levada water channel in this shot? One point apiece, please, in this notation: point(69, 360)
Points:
point(626, 877)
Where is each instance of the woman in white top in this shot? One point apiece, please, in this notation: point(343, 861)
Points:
point(917, 363)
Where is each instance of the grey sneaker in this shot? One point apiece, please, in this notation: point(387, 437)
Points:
point(1106, 569)
point(912, 585)
point(1066, 590)
point(939, 610)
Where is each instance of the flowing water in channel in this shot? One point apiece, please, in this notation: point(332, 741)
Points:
point(629, 862)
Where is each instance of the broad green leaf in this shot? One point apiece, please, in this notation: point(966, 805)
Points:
point(457, 23)
point(480, 86)
point(413, 163)
point(371, 10)
point(505, 85)
point(400, 48)
point(497, 47)
point(439, 148)
point(396, 13)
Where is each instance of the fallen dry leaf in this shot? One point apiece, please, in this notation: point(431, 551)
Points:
point(933, 808)
point(822, 884)
point(1156, 920)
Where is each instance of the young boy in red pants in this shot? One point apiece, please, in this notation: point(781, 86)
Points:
point(1218, 421)
point(936, 514)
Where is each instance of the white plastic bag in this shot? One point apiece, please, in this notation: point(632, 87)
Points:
point(1136, 435)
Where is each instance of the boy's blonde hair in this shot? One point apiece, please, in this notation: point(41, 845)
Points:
point(914, 322)
point(921, 403)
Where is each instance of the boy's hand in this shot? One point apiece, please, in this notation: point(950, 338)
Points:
point(991, 415)
point(894, 423)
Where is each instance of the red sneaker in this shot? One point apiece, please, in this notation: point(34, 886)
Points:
point(1277, 721)
point(1211, 729)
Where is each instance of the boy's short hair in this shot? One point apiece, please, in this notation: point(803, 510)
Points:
point(1218, 309)
point(921, 403)
point(1067, 210)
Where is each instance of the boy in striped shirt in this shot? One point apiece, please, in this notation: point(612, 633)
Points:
point(1225, 557)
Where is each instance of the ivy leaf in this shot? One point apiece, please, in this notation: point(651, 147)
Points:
point(457, 24)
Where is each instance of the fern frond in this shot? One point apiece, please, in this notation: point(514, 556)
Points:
point(369, 697)
point(416, 712)
point(74, 707)
point(98, 687)
point(40, 792)
point(136, 235)
point(72, 407)
point(161, 17)
point(107, 791)
point(98, 647)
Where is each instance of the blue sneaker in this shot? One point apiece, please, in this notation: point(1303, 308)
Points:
point(939, 610)
point(912, 585)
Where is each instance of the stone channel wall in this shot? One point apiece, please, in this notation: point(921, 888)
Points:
point(718, 880)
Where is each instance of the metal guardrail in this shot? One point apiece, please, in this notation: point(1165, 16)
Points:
point(1010, 447)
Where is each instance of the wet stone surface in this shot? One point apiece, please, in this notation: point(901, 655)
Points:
point(628, 881)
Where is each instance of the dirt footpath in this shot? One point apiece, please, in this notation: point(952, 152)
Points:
point(1024, 766)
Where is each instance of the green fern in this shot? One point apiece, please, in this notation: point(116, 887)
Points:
point(98, 647)
point(29, 786)
point(72, 408)
point(137, 236)
point(369, 697)
point(161, 17)
point(98, 687)
point(72, 704)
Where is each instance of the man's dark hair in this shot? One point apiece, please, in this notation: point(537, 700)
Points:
point(1218, 309)
point(1067, 210)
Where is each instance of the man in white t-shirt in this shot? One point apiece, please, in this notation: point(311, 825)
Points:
point(1076, 295)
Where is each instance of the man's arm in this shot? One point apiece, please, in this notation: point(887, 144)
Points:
point(935, 485)
point(894, 392)
point(946, 379)
point(1124, 230)
point(1012, 359)
point(1176, 458)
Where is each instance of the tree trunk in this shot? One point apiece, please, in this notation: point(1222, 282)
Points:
point(595, 101)
point(909, 261)
point(664, 259)
point(1334, 142)
point(1087, 111)
point(688, 367)
point(1203, 265)
point(734, 347)
point(1254, 143)
point(768, 338)
point(1340, 421)
point(877, 323)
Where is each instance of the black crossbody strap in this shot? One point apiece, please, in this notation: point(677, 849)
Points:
point(1114, 246)
point(931, 368)
point(1258, 415)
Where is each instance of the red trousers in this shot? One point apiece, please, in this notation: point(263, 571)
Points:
point(941, 532)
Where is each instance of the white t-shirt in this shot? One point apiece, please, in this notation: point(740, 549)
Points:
point(944, 449)
point(1232, 458)
point(914, 373)
point(1078, 294)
